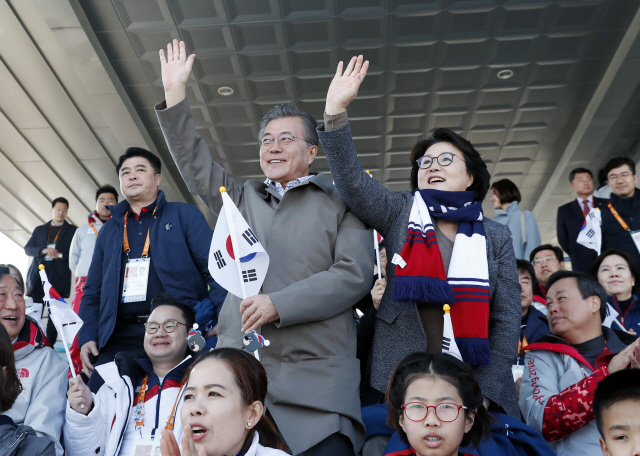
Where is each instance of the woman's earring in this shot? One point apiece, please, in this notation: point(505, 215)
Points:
point(249, 424)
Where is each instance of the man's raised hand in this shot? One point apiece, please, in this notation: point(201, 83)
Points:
point(176, 68)
point(344, 86)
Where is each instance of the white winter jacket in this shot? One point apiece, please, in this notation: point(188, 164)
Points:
point(43, 374)
point(258, 450)
point(103, 431)
point(82, 245)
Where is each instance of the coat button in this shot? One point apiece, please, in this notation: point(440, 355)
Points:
point(140, 234)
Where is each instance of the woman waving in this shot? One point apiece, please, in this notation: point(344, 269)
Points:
point(442, 250)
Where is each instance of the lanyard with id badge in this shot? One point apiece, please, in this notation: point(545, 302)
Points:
point(635, 235)
point(136, 273)
point(149, 445)
point(52, 245)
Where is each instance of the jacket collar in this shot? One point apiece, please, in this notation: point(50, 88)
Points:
point(123, 206)
point(558, 345)
point(510, 208)
point(95, 219)
point(30, 338)
point(319, 179)
point(616, 199)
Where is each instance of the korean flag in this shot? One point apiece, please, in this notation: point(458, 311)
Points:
point(243, 278)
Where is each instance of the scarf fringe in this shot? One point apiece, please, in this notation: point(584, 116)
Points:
point(424, 289)
point(474, 350)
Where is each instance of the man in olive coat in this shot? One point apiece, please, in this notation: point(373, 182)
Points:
point(321, 261)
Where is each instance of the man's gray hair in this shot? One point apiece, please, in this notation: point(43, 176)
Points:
point(309, 122)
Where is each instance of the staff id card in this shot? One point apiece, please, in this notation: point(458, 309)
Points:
point(146, 447)
point(635, 235)
point(136, 277)
point(51, 245)
point(517, 371)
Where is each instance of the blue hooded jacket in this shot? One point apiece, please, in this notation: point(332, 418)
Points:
point(180, 240)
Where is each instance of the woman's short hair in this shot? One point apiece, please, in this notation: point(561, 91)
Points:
point(10, 386)
point(633, 269)
point(506, 191)
point(476, 167)
point(251, 379)
point(446, 367)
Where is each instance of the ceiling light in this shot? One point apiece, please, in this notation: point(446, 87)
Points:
point(505, 74)
point(225, 91)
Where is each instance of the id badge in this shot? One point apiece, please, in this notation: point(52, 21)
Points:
point(146, 447)
point(136, 276)
point(517, 370)
point(50, 246)
point(635, 235)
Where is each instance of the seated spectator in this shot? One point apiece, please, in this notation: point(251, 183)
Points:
point(615, 405)
point(617, 273)
point(16, 440)
point(138, 392)
point(546, 259)
point(534, 323)
point(422, 382)
point(564, 369)
point(505, 197)
point(42, 372)
point(223, 409)
point(622, 213)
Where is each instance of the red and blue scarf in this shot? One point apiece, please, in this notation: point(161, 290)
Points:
point(420, 274)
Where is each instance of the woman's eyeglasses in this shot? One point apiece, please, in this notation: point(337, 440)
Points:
point(169, 326)
point(444, 159)
point(445, 412)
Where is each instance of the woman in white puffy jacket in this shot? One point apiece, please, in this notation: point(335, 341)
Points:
point(223, 409)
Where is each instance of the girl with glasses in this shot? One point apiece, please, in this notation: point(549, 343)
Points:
point(435, 405)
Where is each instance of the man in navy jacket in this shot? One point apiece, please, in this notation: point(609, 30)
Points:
point(176, 239)
point(571, 218)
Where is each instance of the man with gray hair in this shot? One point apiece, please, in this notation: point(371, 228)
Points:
point(321, 263)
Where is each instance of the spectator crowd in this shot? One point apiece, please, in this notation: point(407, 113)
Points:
point(538, 355)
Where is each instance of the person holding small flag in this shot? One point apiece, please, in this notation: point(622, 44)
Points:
point(137, 395)
point(42, 372)
point(320, 259)
point(443, 248)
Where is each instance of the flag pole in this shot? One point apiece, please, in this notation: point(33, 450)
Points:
point(234, 244)
point(47, 297)
point(376, 246)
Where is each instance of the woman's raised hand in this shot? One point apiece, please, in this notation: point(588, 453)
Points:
point(176, 68)
point(169, 445)
point(344, 86)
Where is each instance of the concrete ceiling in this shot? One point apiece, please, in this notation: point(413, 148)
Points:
point(79, 80)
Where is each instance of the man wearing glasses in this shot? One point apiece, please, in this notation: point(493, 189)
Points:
point(321, 259)
point(621, 216)
point(546, 259)
point(138, 393)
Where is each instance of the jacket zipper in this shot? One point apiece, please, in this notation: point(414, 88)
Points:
point(126, 421)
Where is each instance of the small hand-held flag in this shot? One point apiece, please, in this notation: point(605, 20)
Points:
point(612, 317)
point(377, 239)
point(591, 232)
point(448, 339)
point(66, 321)
point(235, 242)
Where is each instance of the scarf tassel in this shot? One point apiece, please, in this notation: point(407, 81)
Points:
point(430, 290)
point(474, 350)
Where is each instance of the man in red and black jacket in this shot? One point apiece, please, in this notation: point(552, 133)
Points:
point(563, 369)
